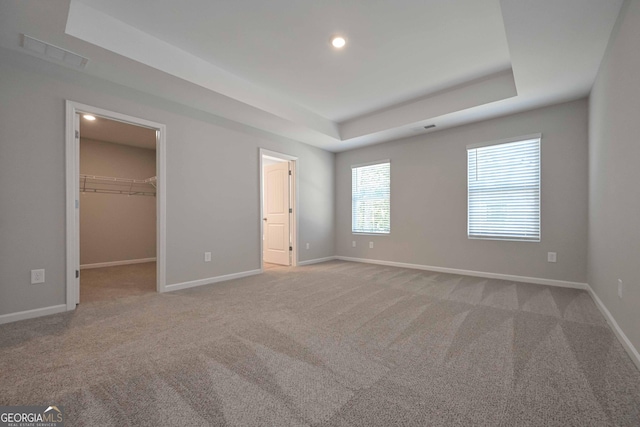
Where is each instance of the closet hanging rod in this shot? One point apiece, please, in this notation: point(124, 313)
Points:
point(153, 179)
point(114, 185)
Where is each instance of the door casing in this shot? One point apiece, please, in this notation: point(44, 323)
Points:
point(277, 213)
point(294, 221)
point(72, 177)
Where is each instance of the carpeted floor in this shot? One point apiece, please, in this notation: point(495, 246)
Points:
point(332, 344)
point(267, 266)
point(110, 283)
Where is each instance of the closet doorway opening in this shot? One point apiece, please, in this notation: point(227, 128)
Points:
point(115, 205)
point(278, 210)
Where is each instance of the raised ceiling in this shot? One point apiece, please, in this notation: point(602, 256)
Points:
point(269, 64)
point(397, 50)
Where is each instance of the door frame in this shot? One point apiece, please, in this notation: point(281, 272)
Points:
point(72, 178)
point(293, 162)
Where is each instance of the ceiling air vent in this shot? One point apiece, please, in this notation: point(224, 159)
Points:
point(53, 52)
point(430, 126)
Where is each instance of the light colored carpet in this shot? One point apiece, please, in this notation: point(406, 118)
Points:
point(267, 266)
point(333, 344)
point(110, 283)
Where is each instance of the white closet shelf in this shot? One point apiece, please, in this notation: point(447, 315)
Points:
point(112, 185)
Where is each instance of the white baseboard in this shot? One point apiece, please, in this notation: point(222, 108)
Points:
point(114, 263)
point(316, 261)
point(626, 343)
point(536, 280)
point(210, 280)
point(30, 314)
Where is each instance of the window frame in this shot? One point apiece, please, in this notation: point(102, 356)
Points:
point(522, 138)
point(370, 233)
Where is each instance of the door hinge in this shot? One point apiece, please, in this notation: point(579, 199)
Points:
point(290, 248)
point(289, 173)
point(77, 204)
point(77, 134)
point(290, 210)
point(77, 273)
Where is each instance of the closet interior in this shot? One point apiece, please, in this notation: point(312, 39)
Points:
point(117, 184)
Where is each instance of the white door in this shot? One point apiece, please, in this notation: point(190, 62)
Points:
point(276, 213)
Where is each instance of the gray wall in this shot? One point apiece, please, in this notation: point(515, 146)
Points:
point(212, 182)
point(429, 198)
point(614, 175)
point(116, 227)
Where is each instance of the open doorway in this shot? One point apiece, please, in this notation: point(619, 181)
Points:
point(115, 205)
point(278, 210)
point(117, 209)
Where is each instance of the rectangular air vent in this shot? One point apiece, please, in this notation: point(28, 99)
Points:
point(53, 52)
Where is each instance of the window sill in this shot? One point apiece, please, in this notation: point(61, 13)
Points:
point(504, 240)
point(369, 234)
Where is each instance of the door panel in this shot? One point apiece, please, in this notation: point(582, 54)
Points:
point(276, 213)
point(275, 237)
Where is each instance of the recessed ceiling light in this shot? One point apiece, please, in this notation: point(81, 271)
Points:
point(338, 42)
point(89, 117)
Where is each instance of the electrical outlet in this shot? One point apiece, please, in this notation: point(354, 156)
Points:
point(207, 257)
point(307, 245)
point(619, 288)
point(370, 245)
point(353, 244)
point(551, 257)
point(37, 276)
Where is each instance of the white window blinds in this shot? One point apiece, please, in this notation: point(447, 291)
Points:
point(504, 190)
point(370, 198)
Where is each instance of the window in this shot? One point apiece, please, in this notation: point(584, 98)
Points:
point(504, 190)
point(370, 198)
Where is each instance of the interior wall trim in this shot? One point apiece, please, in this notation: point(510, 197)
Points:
point(72, 175)
point(316, 260)
point(486, 275)
point(30, 314)
point(622, 337)
point(295, 225)
point(115, 263)
point(210, 280)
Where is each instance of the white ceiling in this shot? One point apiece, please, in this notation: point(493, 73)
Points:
point(102, 129)
point(269, 65)
point(397, 50)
